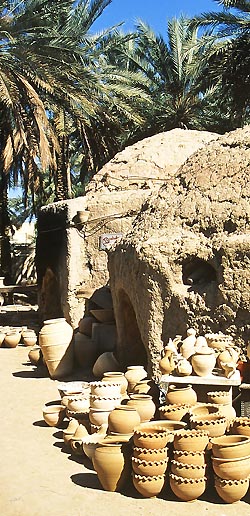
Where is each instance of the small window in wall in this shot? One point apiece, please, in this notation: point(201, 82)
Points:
point(198, 273)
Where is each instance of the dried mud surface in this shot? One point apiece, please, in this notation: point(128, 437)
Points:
point(39, 477)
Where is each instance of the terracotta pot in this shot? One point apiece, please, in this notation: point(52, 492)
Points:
point(112, 462)
point(35, 355)
point(78, 404)
point(53, 415)
point(85, 325)
point(228, 411)
point(85, 350)
point(189, 457)
point(241, 425)
point(133, 375)
point(228, 355)
point(219, 397)
point(187, 489)
point(231, 490)
point(187, 470)
point(231, 469)
point(173, 412)
point(76, 439)
point(187, 346)
point(90, 443)
point(183, 367)
point(104, 403)
point(123, 419)
point(167, 364)
point(204, 409)
point(203, 362)
point(215, 425)
point(147, 485)
point(98, 417)
point(218, 340)
point(12, 339)
point(149, 454)
point(149, 387)
point(105, 362)
point(144, 405)
point(105, 389)
point(118, 377)
point(191, 440)
point(181, 395)
point(144, 467)
point(231, 446)
point(55, 340)
point(29, 337)
point(171, 426)
point(70, 430)
point(150, 437)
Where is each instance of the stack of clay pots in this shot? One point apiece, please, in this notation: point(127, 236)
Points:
point(188, 467)
point(149, 459)
point(178, 400)
point(231, 465)
point(104, 397)
point(207, 416)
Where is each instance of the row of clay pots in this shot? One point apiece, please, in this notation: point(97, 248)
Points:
point(10, 337)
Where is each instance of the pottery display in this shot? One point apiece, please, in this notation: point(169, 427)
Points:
point(118, 377)
point(123, 419)
point(145, 467)
point(187, 470)
point(144, 405)
point(231, 469)
point(231, 490)
point(231, 446)
point(191, 440)
point(55, 340)
point(85, 350)
point(187, 489)
point(148, 454)
point(241, 425)
point(215, 425)
point(133, 375)
point(181, 395)
point(173, 412)
point(112, 462)
point(53, 415)
point(189, 457)
point(167, 364)
point(203, 361)
point(148, 485)
point(150, 436)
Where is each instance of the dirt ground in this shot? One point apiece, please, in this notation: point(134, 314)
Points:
point(39, 477)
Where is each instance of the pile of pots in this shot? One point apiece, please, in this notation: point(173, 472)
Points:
point(11, 336)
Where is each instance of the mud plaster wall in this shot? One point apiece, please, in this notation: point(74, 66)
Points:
point(186, 260)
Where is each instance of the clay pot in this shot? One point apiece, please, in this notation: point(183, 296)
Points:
point(167, 364)
point(105, 389)
point(149, 387)
point(55, 340)
point(231, 446)
point(187, 470)
point(150, 437)
point(218, 340)
point(215, 425)
point(76, 439)
point(105, 362)
point(228, 411)
point(183, 367)
point(98, 417)
point(231, 469)
point(78, 404)
point(85, 350)
point(143, 467)
point(171, 426)
point(241, 425)
point(228, 355)
point(189, 457)
point(181, 395)
point(53, 415)
point(133, 375)
point(204, 409)
point(231, 490)
point(147, 485)
point(112, 462)
point(70, 430)
point(173, 412)
point(203, 362)
point(219, 397)
point(150, 455)
point(187, 346)
point(117, 377)
point(12, 339)
point(35, 355)
point(90, 443)
point(29, 338)
point(144, 405)
point(85, 325)
point(191, 440)
point(187, 489)
point(104, 403)
point(123, 420)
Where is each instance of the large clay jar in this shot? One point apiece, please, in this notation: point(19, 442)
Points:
point(112, 462)
point(187, 489)
point(166, 364)
point(117, 377)
point(55, 340)
point(134, 374)
point(144, 405)
point(123, 420)
point(85, 350)
point(231, 490)
point(181, 395)
point(203, 361)
point(148, 485)
point(105, 362)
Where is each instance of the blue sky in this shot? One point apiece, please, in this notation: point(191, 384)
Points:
point(154, 12)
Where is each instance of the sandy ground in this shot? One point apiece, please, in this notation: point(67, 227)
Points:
point(39, 477)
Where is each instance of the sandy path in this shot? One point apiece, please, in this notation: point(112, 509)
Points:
point(37, 476)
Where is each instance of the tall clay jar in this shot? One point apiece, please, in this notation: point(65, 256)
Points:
point(55, 340)
point(112, 462)
point(181, 395)
point(144, 405)
point(134, 374)
point(123, 420)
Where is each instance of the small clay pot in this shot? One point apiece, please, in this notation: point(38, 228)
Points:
point(98, 417)
point(187, 470)
point(148, 485)
point(106, 403)
point(231, 446)
point(241, 425)
point(191, 440)
point(53, 415)
point(151, 455)
point(123, 419)
point(215, 425)
point(150, 437)
point(134, 374)
point(144, 467)
point(173, 412)
point(187, 489)
point(181, 395)
point(12, 339)
point(105, 389)
point(231, 490)
point(189, 457)
point(144, 405)
point(219, 397)
point(231, 469)
point(204, 409)
point(35, 355)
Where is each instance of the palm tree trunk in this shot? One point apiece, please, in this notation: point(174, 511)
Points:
point(5, 251)
point(63, 180)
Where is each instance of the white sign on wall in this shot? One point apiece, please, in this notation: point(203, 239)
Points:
point(108, 239)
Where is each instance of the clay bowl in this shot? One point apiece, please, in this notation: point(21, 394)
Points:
point(189, 457)
point(215, 425)
point(53, 415)
point(231, 490)
point(187, 489)
point(204, 409)
point(148, 485)
point(241, 425)
point(150, 436)
point(150, 454)
point(105, 389)
point(231, 469)
point(231, 446)
point(191, 440)
point(12, 339)
point(187, 470)
point(72, 388)
point(171, 426)
point(145, 467)
point(106, 403)
point(173, 412)
point(219, 397)
point(78, 404)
